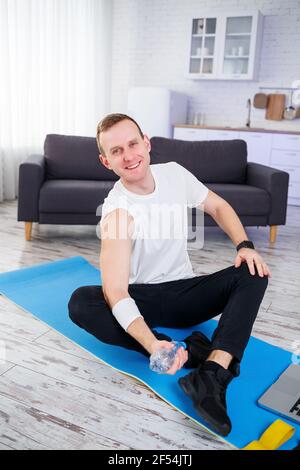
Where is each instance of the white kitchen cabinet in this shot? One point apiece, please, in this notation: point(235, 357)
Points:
point(258, 146)
point(286, 142)
point(203, 49)
point(294, 193)
point(213, 134)
point(286, 157)
point(185, 133)
point(225, 46)
point(289, 161)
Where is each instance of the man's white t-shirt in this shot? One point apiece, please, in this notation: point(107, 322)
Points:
point(159, 240)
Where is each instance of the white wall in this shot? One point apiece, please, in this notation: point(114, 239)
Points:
point(150, 48)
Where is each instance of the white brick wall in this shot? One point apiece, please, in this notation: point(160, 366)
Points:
point(150, 40)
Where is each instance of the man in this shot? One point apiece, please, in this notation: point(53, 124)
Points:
point(149, 281)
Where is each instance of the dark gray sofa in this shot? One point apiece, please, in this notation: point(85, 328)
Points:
point(68, 182)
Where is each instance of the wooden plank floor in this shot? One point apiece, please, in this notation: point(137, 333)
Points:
point(54, 395)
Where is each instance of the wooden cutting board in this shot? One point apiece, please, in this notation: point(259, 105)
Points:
point(260, 101)
point(275, 107)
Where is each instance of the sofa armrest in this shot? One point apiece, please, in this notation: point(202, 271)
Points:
point(276, 182)
point(31, 178)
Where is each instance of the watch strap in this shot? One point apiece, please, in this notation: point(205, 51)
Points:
point(245, 244)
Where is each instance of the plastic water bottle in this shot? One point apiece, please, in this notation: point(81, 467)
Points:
point(163, 358)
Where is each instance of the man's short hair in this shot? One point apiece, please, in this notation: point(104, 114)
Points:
point(109, 121)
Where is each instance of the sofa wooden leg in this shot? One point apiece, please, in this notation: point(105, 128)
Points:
point(273, 233)
point(28, 229)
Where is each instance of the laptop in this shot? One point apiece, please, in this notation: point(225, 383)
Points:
point(283, 397)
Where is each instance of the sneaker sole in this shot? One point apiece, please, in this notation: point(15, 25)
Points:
point(189, 391)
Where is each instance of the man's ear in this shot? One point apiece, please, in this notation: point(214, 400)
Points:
point(104, 161)
point(147, 142)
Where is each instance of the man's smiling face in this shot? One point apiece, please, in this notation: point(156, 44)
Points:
point(126, 152)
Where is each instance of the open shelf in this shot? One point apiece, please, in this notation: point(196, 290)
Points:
point(277, 88)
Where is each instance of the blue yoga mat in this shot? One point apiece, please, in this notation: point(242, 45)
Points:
point(44, 290)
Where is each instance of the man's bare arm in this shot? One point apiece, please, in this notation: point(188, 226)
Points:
point(115, 257)
point(228, 220)
point(225, 216)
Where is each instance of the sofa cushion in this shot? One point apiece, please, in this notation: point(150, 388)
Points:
point(73, 196)
point(210, 161)
point(245, 200)
point(73, 157)
point(79, 196)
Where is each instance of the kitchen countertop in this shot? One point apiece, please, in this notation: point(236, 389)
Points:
point(240, 129)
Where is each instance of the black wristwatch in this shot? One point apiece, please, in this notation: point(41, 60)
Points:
point(245, 244)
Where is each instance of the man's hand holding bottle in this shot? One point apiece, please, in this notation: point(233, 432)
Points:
point(167, 357)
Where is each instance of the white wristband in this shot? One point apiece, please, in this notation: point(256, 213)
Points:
point(126, 311)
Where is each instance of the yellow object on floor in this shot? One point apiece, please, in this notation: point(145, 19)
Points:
point(274, 437)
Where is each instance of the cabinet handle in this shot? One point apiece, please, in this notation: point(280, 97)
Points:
point(293, 138)
point(291, 154)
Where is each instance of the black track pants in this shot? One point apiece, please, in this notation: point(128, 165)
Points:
point(232, 292)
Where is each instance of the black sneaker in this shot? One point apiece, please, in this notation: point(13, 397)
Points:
point(207, 388)
point(198, 347)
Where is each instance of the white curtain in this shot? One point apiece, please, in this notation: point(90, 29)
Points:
point(55, 65)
